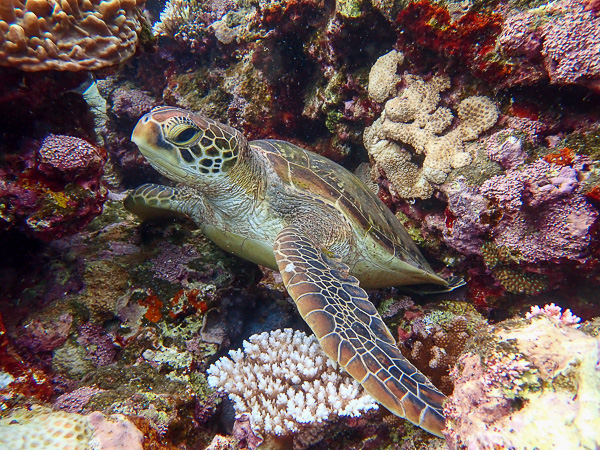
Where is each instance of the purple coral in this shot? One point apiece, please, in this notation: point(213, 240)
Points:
point(572, 48)
point(131, 103)
point(566, 48)
point(99, 345)
point(75, 401)
point(53, 189)
point(537, 212)
point(68, 157)
point(466, 204)
point(44, 336)
point(508, 151)
point(544, 217)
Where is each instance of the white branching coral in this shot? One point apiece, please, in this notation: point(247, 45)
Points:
point(414, 119)
point(285, 383)
point(555, 312)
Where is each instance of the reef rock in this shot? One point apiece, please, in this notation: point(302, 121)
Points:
point(532, 383)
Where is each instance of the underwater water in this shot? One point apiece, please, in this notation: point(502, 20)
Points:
point(299, 224)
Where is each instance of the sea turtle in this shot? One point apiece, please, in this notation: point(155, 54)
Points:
point(289, 209)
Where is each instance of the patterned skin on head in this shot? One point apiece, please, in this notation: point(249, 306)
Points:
point(183, 139)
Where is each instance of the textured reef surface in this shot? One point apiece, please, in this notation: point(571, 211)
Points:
point(476, 122)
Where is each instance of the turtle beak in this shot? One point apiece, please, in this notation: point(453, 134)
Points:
point(161, 155)
point(146, 133)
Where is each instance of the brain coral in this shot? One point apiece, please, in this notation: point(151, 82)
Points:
point(415, 119)
point(69, 34)
point(285, 383)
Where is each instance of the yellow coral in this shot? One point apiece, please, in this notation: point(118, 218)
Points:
point(44, 428)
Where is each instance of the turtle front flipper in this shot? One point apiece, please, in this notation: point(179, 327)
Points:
point(151, 201)
point(351, 331)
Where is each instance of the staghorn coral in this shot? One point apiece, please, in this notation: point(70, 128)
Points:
point(285, 383)
point(70, 35)
point(415, 119)
point(527, 384)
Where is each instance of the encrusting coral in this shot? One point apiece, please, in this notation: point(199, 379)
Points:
point(285, 383)
point(530, 383)
point(41, 427)
point(68, 35)
point(415, 119)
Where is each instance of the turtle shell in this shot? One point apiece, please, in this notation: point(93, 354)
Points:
point(369, 217)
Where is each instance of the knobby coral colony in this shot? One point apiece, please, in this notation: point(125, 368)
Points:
point(415, 119)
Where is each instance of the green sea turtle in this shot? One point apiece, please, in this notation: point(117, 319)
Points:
point(289, 209)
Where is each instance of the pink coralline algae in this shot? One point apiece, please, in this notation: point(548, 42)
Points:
point(544, 217)
point(537, 212)
point(572, 48)
point(115, 432)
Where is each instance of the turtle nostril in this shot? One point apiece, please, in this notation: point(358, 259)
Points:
point(146, 118)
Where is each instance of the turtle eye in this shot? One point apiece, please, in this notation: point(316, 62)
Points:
point(183, 134)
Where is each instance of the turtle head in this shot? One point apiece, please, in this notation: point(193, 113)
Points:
point(185, 146)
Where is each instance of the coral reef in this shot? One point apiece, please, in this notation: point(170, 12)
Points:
point(67, 44)
point(42, 427)
point(545, 197)
point(53, 189)
point(286, 384)
point(495, 175)
point(415, 119)
point(558, 41)
point(433, 338)
point(527, 383)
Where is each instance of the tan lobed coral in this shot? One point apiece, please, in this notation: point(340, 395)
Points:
point(68, 34)
point(383, 78)
point(415, 119)
point(285, 383)
point(43, 428)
